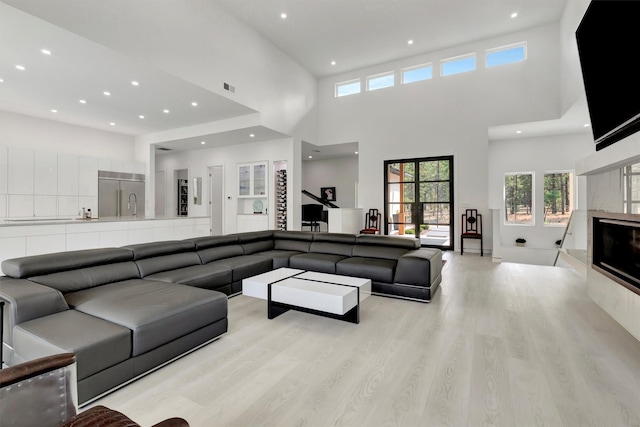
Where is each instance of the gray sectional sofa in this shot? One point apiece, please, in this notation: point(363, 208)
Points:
point(126, 311)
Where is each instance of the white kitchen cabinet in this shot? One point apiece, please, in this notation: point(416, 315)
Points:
point(20, 205)
point(45, 206)
point(253, 179)
point(20, 171)
point(3, 170)
point(67, 174)
point(45, 173)
point(88, 176)
point(256, 222)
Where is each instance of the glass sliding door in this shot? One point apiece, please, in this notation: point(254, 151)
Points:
point(419, 200)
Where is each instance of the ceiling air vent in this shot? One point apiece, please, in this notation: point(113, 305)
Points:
point(229, 88)
point(163, 149)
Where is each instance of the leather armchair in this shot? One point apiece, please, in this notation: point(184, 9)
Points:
point(43, 393)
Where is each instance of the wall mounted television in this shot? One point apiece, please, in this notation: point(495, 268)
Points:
point(608, 39)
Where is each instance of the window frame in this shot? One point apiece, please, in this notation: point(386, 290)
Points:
point(346, 83)
point(377, 76)
point(451, 59)
point(487, 52)
point(533, 199)
point(414, 68)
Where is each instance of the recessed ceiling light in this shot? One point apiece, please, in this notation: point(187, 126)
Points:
point(283, 15)
point(141, 116)
point(112, 124)
point(202, 142)
point(251, 135)
point(45, 51)
point(311, 157)
point(410, 42)
point(518, 131)
point(514, 14)
point(54, 111)
point(21, 67)
point(106, 93)
point(194, 104)
point(333, 62)
point(587, 125)
point(356, 152)
point(165, 111)
point(1, 80)
point(135, 83)
point(82, 101)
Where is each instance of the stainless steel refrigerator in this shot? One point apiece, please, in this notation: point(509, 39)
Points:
point(120, 194)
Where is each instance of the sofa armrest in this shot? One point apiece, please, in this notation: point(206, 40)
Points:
point(26, 300)
point(420, 267)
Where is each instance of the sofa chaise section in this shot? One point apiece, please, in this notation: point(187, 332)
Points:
point(94, 303)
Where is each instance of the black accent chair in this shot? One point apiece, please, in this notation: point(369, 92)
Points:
point(372, 221)
point(471, 228)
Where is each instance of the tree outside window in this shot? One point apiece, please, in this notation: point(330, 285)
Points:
point(518, 198)
point(558, 197)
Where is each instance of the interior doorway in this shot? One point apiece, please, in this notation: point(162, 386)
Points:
point(418, 200)
point(216, 199)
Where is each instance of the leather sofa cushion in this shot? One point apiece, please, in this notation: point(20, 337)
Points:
point(299, 241)
point(369, 251)
point(214, 241)
point(38, 265)
point(156, 264)
point(89, 277)
point(323, 263)
point(154, 249)
point(388, 241)
point(255, 236)
point(413, 270)
point(292, 245)
point(257, 246)
point(331, 248)
point(208, 276)
point(376, 269)
point(335, 238)
point(219, 252)
point(97, 344)
point(280, 258)
point(156, 312)
point(246, 266)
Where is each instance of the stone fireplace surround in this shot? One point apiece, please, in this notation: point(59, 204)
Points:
point(605, 192)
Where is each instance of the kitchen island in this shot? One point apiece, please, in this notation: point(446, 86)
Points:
point(26, 236)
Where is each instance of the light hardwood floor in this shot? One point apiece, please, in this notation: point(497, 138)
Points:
point(500, 344)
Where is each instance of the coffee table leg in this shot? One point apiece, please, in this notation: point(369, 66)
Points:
point(273, 308)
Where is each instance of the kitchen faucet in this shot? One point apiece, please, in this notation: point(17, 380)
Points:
point(135, 201)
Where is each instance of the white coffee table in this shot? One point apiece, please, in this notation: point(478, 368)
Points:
point(324, 294)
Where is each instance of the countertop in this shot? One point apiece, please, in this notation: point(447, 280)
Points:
point(8, 222)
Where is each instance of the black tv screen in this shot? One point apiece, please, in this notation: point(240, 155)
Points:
point(608, 38)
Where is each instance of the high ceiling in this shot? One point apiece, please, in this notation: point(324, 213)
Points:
point(89, 39)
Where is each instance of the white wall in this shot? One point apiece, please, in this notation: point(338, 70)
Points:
point(443, 116)
point(341, 173)
point(540, 156)
point(17, 130)
point(571, 76)
point(198, 161)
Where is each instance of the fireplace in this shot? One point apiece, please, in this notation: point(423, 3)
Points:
point(616, 248)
